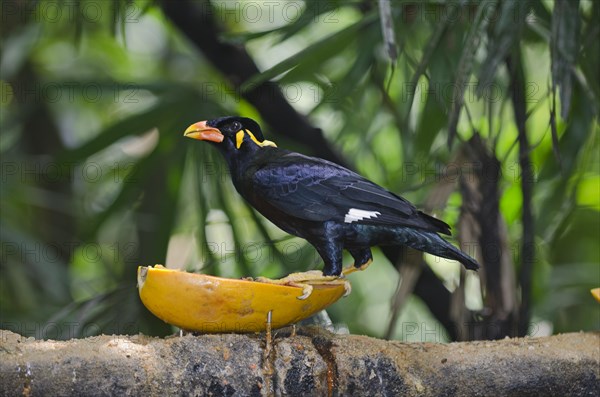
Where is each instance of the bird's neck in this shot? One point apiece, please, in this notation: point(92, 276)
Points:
point(243, 159)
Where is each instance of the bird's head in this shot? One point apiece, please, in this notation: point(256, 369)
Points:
point(230, 133)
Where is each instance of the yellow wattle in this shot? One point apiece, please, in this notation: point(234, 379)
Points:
point(239, 139)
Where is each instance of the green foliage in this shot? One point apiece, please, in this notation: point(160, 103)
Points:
point(97, 178)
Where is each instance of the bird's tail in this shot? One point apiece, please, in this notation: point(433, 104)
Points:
point(432, 243)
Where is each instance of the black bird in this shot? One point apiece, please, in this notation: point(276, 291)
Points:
point(330, 206)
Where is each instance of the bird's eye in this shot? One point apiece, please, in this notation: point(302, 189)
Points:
point(235, 126)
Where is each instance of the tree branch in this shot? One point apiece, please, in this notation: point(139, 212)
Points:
point(481, 211)
point(195, 20)
point(517, 89)
point(314, 363)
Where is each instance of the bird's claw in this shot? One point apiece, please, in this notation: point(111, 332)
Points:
point(352, 268)
point(306, 280)
point(347, 288)
point(307, 290)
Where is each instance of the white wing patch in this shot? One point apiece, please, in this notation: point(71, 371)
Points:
point(355, 214)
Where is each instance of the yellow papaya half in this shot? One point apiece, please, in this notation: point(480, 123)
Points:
point(209, 304)
point(596, 293)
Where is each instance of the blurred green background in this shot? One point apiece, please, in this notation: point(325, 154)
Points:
point(482, 113)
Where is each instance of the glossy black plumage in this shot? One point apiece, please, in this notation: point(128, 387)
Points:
point(328, 205)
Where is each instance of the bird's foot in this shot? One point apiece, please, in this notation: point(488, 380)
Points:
point(306, 280)
point(352, 268)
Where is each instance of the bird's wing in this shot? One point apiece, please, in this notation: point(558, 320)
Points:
point(318, 190)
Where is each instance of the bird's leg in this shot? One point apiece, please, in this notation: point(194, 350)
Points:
point(362, 260)
point(330, 249)
point(306, 280)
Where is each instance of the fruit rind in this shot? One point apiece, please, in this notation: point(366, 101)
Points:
point(209, 304)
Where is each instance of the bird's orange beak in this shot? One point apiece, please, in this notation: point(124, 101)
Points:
point(203, 132)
